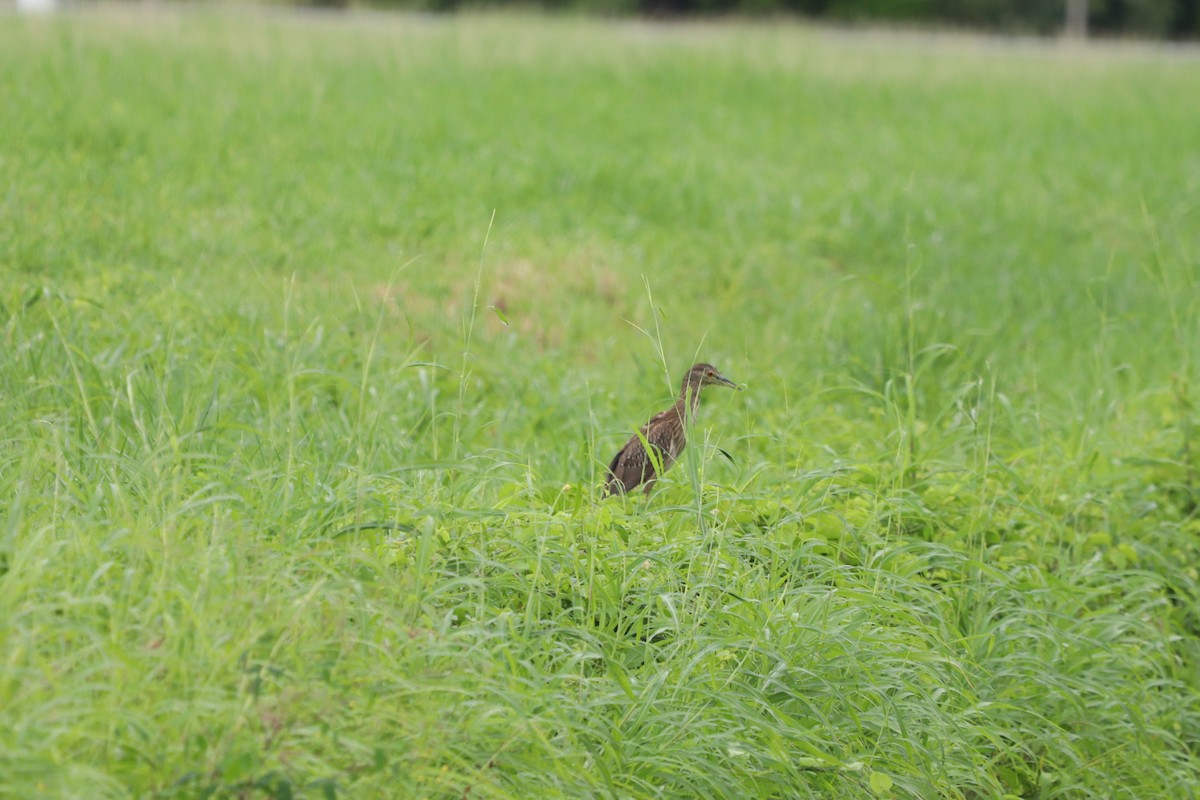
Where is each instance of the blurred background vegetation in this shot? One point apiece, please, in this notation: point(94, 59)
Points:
point(1154, 18)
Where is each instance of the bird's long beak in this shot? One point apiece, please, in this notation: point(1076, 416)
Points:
point(726, 382)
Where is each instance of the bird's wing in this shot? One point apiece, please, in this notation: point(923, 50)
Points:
point(616, 474)
point(633, 466)
point(629, 467)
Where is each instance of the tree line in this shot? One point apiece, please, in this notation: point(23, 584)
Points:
point(1177, 19)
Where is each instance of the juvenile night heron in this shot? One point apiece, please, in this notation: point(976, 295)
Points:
point(665, 433)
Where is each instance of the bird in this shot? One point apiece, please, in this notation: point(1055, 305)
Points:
point(665, 433)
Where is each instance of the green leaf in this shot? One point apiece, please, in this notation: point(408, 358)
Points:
point(238, 766)
point(881, 784)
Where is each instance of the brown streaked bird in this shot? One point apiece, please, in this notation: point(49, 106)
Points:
point(665, 433)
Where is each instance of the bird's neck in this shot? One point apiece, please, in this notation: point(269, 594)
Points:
point(689, 400)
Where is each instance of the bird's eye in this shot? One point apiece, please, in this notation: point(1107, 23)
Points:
point(711, 373)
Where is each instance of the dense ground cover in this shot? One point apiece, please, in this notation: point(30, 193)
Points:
point(317, 333)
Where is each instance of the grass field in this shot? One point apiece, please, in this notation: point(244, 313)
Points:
point(317, 332)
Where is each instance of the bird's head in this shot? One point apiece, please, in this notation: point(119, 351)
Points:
point(702, 375)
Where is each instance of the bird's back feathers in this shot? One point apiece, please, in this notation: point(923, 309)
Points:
point(632, 466)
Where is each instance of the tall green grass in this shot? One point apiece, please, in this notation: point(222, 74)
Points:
point(317, 333)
